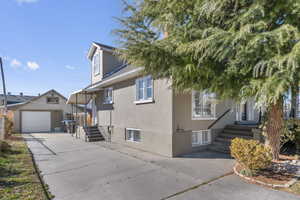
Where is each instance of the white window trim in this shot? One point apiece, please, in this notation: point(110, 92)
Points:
point(143, 101)
point(104, 97)
point(100, 62)
point(200, 132)
point(132, 129)
point(199, 117)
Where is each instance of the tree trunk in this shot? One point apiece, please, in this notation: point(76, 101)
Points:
point(274, 127)
point(294, 101)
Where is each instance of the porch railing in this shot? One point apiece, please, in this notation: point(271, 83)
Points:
point(219, 118)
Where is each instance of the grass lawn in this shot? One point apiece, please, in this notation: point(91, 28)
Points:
point(18, 179)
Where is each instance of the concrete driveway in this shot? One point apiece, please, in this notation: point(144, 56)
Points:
point(75, 170)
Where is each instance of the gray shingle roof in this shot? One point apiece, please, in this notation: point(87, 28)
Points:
point(12, 99)
point(104, 45)
point(122, 69)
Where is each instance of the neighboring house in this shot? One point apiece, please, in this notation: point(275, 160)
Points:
point(13, 99)
point(139, 111)
point(42, 113)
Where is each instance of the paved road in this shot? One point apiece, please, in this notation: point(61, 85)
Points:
point(75, 170)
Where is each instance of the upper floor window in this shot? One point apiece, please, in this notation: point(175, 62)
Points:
point(96, 63)
point(108, 95)
point(53, 100)
point(144, 88)
point(203, 105)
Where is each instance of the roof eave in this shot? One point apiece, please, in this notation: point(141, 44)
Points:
point(122, 77)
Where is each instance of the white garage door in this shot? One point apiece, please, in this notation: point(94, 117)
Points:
point(36, 121)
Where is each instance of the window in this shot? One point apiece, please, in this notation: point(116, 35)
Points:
point(133, 135)
point(203, 105)
point(108, 95)
point(202, 137)
point(53, 100)
point(144, 89)
point(96, 63)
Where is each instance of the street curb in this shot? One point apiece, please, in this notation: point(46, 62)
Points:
point(287, 185)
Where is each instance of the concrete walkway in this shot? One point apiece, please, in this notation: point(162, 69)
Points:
point(75, 170)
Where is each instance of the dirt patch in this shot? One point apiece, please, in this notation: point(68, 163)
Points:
point(268, 176)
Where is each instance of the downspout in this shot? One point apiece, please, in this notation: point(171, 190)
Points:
point(85, 110)
point(76, 115)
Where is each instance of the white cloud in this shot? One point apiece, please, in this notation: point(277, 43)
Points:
point(70, 67)
point(15, 63)
point(26, 1)
point(33, 65)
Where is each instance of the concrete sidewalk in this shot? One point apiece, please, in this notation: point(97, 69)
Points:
point(75, 170)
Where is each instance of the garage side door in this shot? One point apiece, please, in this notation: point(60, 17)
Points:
point(36, 121)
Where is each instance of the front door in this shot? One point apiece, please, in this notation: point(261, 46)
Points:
point(245, 111)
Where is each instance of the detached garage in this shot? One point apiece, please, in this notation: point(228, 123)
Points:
point(36, 121)
point(42, 113)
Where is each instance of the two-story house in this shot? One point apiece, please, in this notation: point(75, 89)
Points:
point(136, 110)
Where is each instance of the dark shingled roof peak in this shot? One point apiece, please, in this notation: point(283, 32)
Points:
point(104, 45)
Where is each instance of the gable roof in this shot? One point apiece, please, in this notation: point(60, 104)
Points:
point(35, 98)
point(104, 45)
point(97, 45)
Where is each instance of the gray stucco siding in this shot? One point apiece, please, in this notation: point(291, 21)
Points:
point(110, 62)
point(153, 119)
point(184, 124)
point(183, 114)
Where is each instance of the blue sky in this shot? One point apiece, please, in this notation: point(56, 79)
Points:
point(44, 42)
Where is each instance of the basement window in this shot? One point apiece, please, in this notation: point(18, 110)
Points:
point(133, 135)
point(52, 100)
point(200, 138)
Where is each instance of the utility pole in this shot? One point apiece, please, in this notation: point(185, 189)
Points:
point(4, 88)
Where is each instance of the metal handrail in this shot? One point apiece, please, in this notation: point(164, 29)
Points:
point(218, 119)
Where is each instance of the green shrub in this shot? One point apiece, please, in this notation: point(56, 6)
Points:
point(250, 154)
point(4, 146)
point(8, 126)
point(292, 133)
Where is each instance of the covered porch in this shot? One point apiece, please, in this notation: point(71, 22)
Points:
point(85, 123)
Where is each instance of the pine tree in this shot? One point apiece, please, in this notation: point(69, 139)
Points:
point(235, 48)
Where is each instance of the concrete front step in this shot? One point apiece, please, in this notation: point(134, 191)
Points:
point(232, 136)
point(220, 148)
point(95, 139)
point(240, 127)
point(94, 135)
point(237, 132)
point(92, 129)
point(223, 139)
point(95, 132)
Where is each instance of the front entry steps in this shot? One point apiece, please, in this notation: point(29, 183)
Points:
point(92, 134)
point(223, 140)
